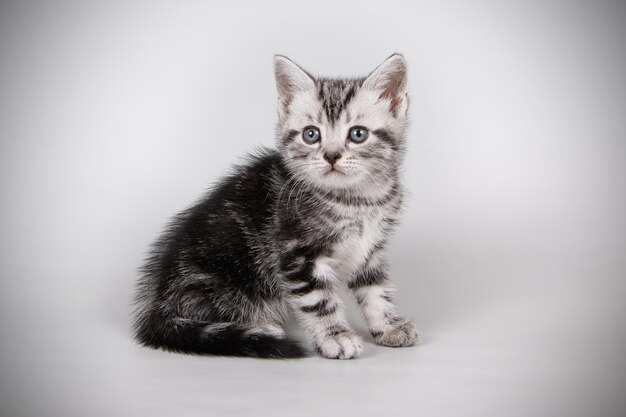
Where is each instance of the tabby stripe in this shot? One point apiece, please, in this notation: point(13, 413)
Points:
point(335, 330)
point(289, 260)
point(385, 136)
point(315, 307)
point(375, 277)
point(391, 318)
point(388, 298)
point(309, 287)
point(348, 96)
point(320, 309)
point(327, 311)
point(335, 95)
point(297, 277)
point(288, 137)
point(377, 248)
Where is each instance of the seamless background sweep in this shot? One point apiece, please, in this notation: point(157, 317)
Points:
point(116, 115)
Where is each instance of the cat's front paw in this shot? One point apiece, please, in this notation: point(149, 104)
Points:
point(346, 345)
point(400, 334)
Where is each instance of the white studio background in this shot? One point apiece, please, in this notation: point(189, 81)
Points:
point(511, 256)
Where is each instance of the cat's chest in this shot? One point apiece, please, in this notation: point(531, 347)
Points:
point(356, 240)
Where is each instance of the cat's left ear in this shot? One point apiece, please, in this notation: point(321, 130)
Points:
point(290, 80)
point(390, 81)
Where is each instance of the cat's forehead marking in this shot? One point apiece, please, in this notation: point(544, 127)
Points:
point(348, 116)
point(335, 94)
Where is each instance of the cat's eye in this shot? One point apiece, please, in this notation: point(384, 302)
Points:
point(358, 134)
point(311, 135)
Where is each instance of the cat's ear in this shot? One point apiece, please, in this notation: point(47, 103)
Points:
point(390, 81)
point(290, 80)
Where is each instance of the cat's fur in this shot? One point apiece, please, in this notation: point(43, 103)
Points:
point(282, 231)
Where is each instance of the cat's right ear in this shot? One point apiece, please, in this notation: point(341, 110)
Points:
point(290, 80)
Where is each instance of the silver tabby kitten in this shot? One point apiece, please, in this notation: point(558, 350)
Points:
point(285, 229)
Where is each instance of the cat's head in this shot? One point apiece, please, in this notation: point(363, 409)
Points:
point(342, 133)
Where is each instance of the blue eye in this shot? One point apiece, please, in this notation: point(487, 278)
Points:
point(358, 134)
point(311, 135)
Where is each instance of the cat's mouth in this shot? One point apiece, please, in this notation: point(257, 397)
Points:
point(334, 171)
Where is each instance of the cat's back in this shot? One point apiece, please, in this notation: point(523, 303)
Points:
point(248, 190)
point(230, 219)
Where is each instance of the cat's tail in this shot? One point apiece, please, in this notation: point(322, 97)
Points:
point(224, 339)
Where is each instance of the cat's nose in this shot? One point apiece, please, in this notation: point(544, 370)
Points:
point(331, 157)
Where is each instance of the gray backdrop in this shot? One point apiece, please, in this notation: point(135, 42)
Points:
point(115, 115)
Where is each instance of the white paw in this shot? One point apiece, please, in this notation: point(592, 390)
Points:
point(400, 334)
point(345, 345)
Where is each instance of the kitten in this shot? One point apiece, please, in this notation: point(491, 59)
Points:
point(284, 229)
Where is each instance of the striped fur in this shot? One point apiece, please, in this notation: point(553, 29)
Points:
point(283, 231)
